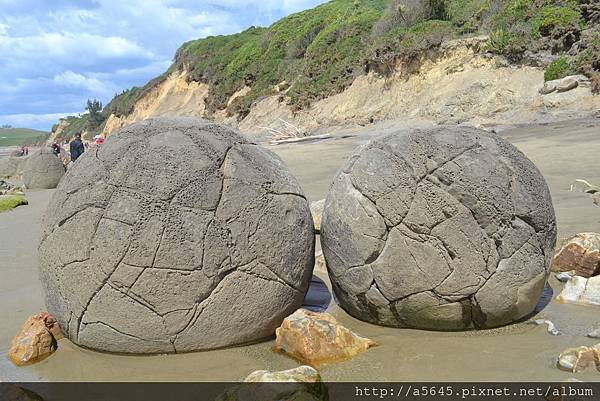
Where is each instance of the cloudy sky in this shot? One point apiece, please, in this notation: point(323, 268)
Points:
point(56, 54)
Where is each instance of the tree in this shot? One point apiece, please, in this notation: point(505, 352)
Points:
point(94, 107)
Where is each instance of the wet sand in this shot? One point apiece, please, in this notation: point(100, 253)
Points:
point(520, 352)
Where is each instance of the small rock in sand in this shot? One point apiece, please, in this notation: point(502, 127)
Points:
point(593, 334)
point(551, 327)
point(301, 374)
point(316, 338)
point(563, 277)
point(580, 185)
point(581, 290)
point(35, 341)
point(577, 359)
point(581, 253)
point(302, 383)
point(596, 198)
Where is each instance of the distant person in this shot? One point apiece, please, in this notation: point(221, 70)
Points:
point(55, 148)
point(22, 150)
point(26, 150)
point(98, 140)
point(76, 147)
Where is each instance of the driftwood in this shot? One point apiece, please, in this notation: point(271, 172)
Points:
point(296, 140)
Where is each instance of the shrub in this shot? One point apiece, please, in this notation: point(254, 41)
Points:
point(554, 19)
point(559, 68)
point(499, 41)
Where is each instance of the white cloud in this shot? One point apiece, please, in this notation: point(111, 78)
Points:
point(70, 79)
point(39, 121)
point(61, 53)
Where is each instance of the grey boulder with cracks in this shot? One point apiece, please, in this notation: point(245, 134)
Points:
point(175, 235)
point(441, 229)
point(42, 170)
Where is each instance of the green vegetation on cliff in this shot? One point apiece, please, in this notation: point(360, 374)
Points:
point(318, 52)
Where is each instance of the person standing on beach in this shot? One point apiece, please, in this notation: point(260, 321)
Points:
point(76, 147)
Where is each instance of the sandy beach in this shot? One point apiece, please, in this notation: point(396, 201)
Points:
point(562, 151)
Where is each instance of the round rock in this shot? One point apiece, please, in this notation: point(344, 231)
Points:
point(175, 235)
point(42, 170)
point(10, 166)
point(442, 229)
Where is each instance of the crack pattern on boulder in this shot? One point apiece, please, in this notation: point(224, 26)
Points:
point(442, 229)
point(175, 235)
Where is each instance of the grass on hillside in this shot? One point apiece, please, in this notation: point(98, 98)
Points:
point(9, 202)
point(318, 52)
point(21, 136)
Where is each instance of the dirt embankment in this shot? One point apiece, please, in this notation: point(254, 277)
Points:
point(456, 83)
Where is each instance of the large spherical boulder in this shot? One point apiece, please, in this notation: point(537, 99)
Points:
point(175, 235)
point(10, 166)
point(42, 170)
point(443, 229)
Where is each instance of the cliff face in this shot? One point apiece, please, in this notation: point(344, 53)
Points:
point(175, 96)
point(346, 63)
point(454, 83)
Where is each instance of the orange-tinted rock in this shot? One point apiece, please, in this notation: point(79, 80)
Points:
point(577, 359)
point(316, 338)
point(581, 253)
point(35, 341)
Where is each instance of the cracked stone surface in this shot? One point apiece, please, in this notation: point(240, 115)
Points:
point(42, 170)
point(441, 229)
point(176, 235)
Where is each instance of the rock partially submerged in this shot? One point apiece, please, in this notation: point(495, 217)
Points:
point(300, 384)
point(36, 341)
point(317, 338)
point(581, 290)
point(581, 253)
point(578, 359)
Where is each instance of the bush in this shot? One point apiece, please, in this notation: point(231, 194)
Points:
point(499, 41)
point(556, 20)
point(559, 68)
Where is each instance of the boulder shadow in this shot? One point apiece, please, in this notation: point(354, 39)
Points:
point(318, 297)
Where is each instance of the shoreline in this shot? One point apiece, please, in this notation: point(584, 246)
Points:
point(563, 151)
